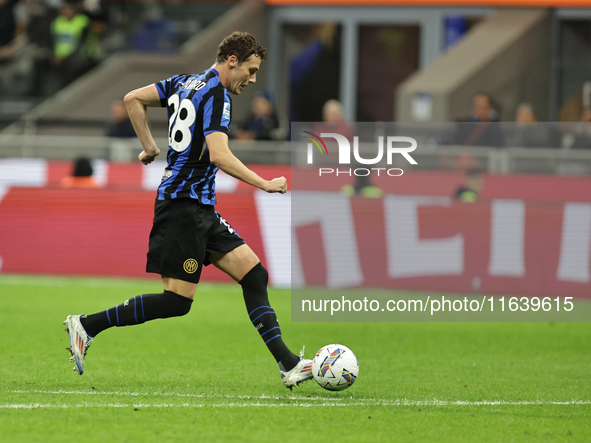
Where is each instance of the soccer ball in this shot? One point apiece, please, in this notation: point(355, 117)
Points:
point(335, 367)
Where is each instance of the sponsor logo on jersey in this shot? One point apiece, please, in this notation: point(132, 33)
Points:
point(167, 174)
point(226, 113)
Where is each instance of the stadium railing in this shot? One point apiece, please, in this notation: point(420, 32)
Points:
point(429, 157)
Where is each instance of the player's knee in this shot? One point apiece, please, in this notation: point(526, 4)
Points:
point(182, 305)
point(256, 278)
point(263, 275)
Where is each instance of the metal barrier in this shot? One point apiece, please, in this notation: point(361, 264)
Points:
point(58, 147)
point(429, 157)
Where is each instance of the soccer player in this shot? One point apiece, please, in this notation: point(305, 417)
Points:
point(187, 232)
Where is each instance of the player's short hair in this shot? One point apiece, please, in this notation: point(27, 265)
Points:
point(242, 45)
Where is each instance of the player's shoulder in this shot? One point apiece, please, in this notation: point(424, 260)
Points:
point(201, 83)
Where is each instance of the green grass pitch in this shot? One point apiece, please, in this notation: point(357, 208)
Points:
point(208, 376)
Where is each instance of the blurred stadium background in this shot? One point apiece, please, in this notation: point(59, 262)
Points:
point(411, 62)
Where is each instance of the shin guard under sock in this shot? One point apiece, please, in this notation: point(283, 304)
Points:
point(263, 317)
point(137, 310)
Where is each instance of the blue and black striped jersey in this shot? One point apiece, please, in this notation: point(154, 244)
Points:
point(198, 105)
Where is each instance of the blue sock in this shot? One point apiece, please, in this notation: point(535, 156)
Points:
point(137, 310)
point(263, 317)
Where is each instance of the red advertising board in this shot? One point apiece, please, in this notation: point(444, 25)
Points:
point(496, 247)
point(95, 231)
point(528, 234)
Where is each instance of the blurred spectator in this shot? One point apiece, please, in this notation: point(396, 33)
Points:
point(81, 175)
point(262, 121)
point(96, 29)
point(582, 139)
point(483, 110)
point(481, 128)
point(158, 33)
point(525, 115)
point(334, 121)
point(69, 31)
point(363, 188)
point(473, 185)
point(528, 133)
point(120, 125)
point(7, 26)
point(39, 38)
point(314, 73)
point(122, 135)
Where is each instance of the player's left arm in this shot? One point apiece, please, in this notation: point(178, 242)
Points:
point(221, 156)
point(136, 103)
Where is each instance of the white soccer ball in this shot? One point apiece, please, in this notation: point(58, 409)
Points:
point(335, 367)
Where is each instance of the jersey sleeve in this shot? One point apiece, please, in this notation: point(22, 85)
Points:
point(217, 113)
point(164, 88)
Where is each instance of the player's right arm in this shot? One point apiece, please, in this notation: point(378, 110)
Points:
point(136, 103)
point(216, 127)
point(221, 156)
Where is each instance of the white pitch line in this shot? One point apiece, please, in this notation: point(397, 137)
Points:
point(303, 401)
point(181, 405)
point(277, 405)
point(180, 394)
point(90, 405)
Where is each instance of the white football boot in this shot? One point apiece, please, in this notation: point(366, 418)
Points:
point(79, 341)
point(299, 374)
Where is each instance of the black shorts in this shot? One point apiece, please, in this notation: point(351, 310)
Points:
point(184, 234)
